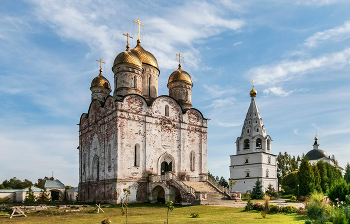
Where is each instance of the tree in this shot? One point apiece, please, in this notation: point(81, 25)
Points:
point(124, 203)
point(293, 164)
point(317, 178)
point(170, 206)
point(306, 177)
point(338, 190)
point(30, 197)
point(2, 186)
point(15, 183)
point(290, 182)
point(257, 190)
point(323, 174)
point(223, 182)
point(347, 173)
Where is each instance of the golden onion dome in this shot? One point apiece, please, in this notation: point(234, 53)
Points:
point(253, 93)
point(127, 57)
point(100, 81)
point(316, 138)
point(144, 56)
point(180, 76)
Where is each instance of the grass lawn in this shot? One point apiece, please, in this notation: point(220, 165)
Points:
point(156, 213)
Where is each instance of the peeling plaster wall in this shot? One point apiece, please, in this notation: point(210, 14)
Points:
point(110, 132)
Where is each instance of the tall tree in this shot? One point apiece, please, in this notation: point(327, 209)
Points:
point(257, 190)
point(323, 174)
point(293, 164)
point(306, 177)
point(347, 173)
point(317, 178)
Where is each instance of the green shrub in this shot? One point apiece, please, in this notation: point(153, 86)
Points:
point(293, 199)
point(290, 209)
point(5, 200)
point(194, 215)
point(249, 205)
point(338, 190)
point(339, 217)
point(308, 222)
point(273, 209)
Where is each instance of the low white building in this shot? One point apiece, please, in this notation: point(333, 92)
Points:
point(19, 195)
point(253, 160)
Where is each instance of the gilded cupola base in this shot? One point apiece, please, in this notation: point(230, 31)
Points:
point(180, 87)
point(100, 87)
point(127, 69)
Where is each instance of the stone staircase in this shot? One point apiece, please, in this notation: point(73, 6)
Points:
point(208, 194)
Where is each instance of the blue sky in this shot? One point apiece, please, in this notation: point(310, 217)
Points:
point(297, 51)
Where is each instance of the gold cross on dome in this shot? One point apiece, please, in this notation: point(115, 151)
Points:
point(138, 27)
point(127, 39)
point(253, 83)
point(180, 56)
point(100, 63)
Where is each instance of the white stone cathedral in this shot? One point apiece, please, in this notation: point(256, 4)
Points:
point(156, 146)
point(253, 160)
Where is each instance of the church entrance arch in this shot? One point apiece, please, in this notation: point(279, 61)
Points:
point(158, 194)
point(166, 163)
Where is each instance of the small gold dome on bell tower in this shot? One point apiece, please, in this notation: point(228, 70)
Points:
point(253, 92)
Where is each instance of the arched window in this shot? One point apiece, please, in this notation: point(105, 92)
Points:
point(269, 159)
point(246, 144)
point(186, 96)
point(258, 143)
point(247, 174)
point(135, 80)
point(96, 169)
point(257, 130)
point(248, 122)
point(247, 130)
point(192, 161)
point(246, 160)
point(267, 172)
point(167, 110)
point(109, 158)
point(137, 155)
point(268, 144)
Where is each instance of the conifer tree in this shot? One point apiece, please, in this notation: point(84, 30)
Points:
point(330, 174)
point(257, 190)
point(317, 178)
point(306, 177)
point(347, 173)
point(323, 173)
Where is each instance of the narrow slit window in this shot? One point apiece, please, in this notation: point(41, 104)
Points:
point(166, 110)
point(135, 80)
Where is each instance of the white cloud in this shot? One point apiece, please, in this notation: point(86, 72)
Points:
point(286, 70)
point(222, 102)
point(318, 2)
point(278, 91)
point(238, 43)
point(179, 25)
point(335, 34)
point(218, 91)
point(225, 124)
